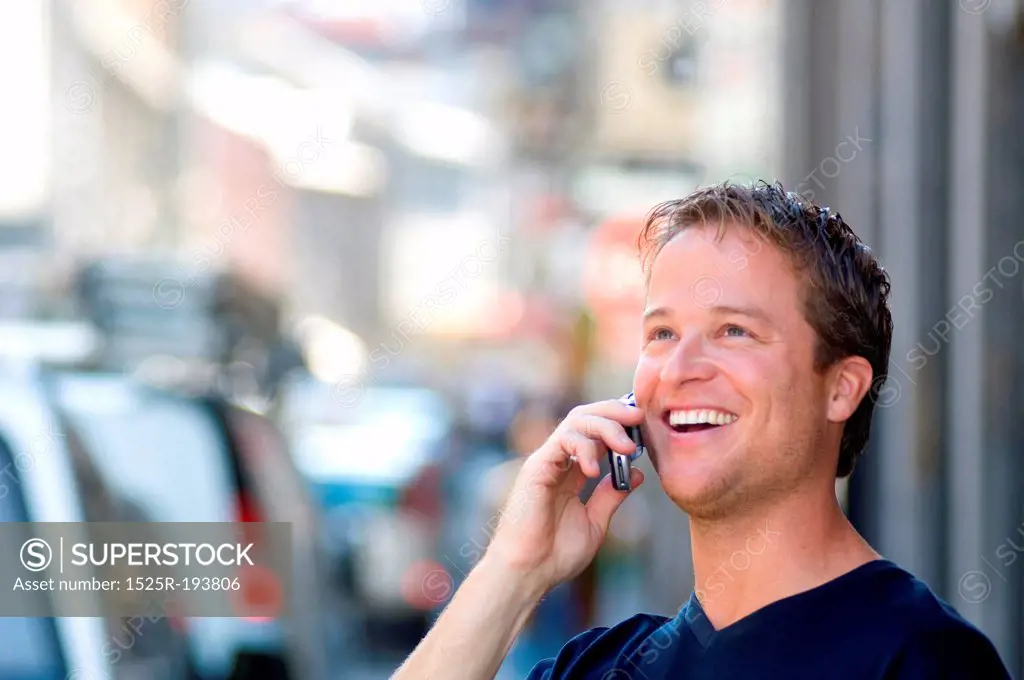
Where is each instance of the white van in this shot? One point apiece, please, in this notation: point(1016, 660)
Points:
point(46, 477)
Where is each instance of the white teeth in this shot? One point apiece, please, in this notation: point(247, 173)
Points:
point(701, 416)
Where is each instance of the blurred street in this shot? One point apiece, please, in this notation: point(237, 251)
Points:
point(345, 264)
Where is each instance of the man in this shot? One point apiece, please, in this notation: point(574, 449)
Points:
point(766, 333)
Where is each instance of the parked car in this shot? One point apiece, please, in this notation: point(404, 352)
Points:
point(272, 489)
point(197, 459)
point(376, 469)
point(45, 476)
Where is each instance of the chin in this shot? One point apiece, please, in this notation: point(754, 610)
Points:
point(701, 493)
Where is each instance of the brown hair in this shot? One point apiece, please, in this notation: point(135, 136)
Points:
point(846, 297)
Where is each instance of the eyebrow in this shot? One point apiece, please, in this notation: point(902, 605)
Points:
point(657, 312)
point(718, 310)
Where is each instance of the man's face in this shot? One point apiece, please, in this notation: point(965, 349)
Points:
point(735, 411)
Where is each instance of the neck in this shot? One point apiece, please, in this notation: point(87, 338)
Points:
point(744, 563)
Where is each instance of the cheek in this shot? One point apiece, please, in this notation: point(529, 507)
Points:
point(788, 396)
point(645, 380)
point(749, 374)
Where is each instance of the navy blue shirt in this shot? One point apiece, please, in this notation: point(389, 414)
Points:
point(876, 622)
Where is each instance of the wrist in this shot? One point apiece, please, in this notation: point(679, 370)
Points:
point(524, 585)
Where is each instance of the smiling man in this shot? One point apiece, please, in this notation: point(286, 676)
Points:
point(766, 334)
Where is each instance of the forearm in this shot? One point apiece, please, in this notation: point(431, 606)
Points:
point(477, 628)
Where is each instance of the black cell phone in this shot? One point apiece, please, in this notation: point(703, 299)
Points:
point(622, 463)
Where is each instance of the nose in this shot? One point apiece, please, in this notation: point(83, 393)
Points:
point(687, 361)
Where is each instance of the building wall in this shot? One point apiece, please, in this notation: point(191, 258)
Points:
point(935, 190)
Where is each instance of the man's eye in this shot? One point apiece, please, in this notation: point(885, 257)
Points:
point(660, 334)
point(734, 331)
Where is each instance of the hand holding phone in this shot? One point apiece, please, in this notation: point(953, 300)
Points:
point(547, 532)
point(621, 463)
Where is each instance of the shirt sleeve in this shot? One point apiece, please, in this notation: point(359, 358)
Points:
point(951, 653)
point(562, 667)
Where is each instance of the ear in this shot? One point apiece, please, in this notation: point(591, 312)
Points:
point(851, 380)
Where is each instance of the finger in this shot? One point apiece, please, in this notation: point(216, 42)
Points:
point(577, 481)
point(608, 431)
point(560, 455)
point(587, 452)
point(554, 457)
point(613, 409)
point(578, 440)
point(579, 461)
point(606, 499)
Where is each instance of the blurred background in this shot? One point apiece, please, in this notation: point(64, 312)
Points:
point(344, 263)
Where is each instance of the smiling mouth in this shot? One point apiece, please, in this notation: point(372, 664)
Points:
point(700, 427)
point(698, 420)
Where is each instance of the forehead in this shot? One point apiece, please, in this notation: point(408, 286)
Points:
point(702, 267)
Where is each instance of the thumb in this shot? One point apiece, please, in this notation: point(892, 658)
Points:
point(606, 500)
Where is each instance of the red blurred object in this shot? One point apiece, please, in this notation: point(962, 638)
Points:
point(548, 210)
point(423, 497)
point(353, 32)
point(260, 596)
point(613, 286)
point(350, 26)
point(249, 518)
point(247, 509)
point(539, 318)
point(426, 585)
point(250, 229)
point(173, 612)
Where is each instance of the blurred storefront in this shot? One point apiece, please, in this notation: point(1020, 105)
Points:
point(288, 171)
point(117, 75)
point(293, 206)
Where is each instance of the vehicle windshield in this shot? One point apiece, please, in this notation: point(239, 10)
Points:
point(29, 649)
point(162, 451)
